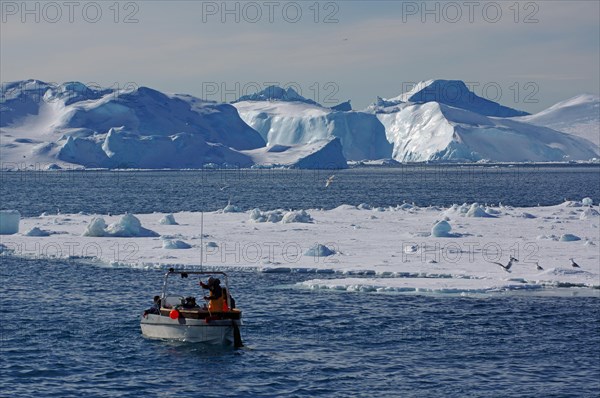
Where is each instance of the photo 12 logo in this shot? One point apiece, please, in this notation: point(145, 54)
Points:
point(69, 11)
point(323, 93)
point(468, 91)
point(270, 11)
point(470, 11)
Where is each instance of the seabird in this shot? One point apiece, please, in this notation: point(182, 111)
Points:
point(538, 266)
point(329, 181)
point(224, 187)
point(507, 266)
point(574, 264)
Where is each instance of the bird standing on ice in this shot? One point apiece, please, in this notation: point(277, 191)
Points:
point(507, 266)
point(329, 181)
point(538, 266)
point(574, 264)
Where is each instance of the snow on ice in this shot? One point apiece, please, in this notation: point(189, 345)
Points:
point(388, 250)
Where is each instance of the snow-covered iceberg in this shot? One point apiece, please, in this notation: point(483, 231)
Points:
point(453, 93)
point(129, 226)
point(434, 131)
point(137, 127)
point(319, 154)
point(291, 120)
point(438, 120)
point(579, 116)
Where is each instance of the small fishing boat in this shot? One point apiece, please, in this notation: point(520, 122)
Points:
point(176, 317)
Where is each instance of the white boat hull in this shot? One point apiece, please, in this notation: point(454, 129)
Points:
point(217, 332)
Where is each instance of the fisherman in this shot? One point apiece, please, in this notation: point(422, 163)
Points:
point(155, 309)
point(215, 298)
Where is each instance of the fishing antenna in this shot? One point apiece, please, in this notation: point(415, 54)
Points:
point(201, 240)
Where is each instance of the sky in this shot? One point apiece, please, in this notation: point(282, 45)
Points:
point(527, 54)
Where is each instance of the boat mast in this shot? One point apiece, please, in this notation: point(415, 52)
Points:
point(201, 239)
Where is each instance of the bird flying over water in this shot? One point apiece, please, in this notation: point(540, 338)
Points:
point(507, 266)
point(329, 181)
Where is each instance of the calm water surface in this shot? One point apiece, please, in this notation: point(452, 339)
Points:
point(171, 191)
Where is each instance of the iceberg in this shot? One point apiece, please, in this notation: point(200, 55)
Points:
point(318, 154)
point(453, 93)
point(172, 244)
point(96, 228)
point(133, 128)
point(36, 231)
point(441, 229)
point(569, 238)
point(579, 116)
point(295, 120)
point(168, 219)
point(138, 127)
point(437, 132)
point(129, 226)
point(319, 250)
point(296, 216)
point(9, 222)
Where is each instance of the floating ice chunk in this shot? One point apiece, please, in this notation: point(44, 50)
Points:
point(526, 215)
point(319, 250)
point(589, 213)
point(231, 209)
point(168, 219)
point(345, 207)
point(477, 211)
point(9, 222)
point(96, 228)
point(411, 249)
point(587, 201)
point(257, 215)
point(35, 231)
point(274, 216)
point(451, 211)
point(441, 229)
point(569, 238)
point(269, 216)
point(325, 271)
point(129, 226)
point(175, 244)
point(548, 237)
point(296, 216)
point(276, 270)
point(492, 211)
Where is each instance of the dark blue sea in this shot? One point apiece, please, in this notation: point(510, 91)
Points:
point(33, 192)
point(72, 329)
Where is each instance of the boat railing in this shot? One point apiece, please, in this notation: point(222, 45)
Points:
point(186, 274)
